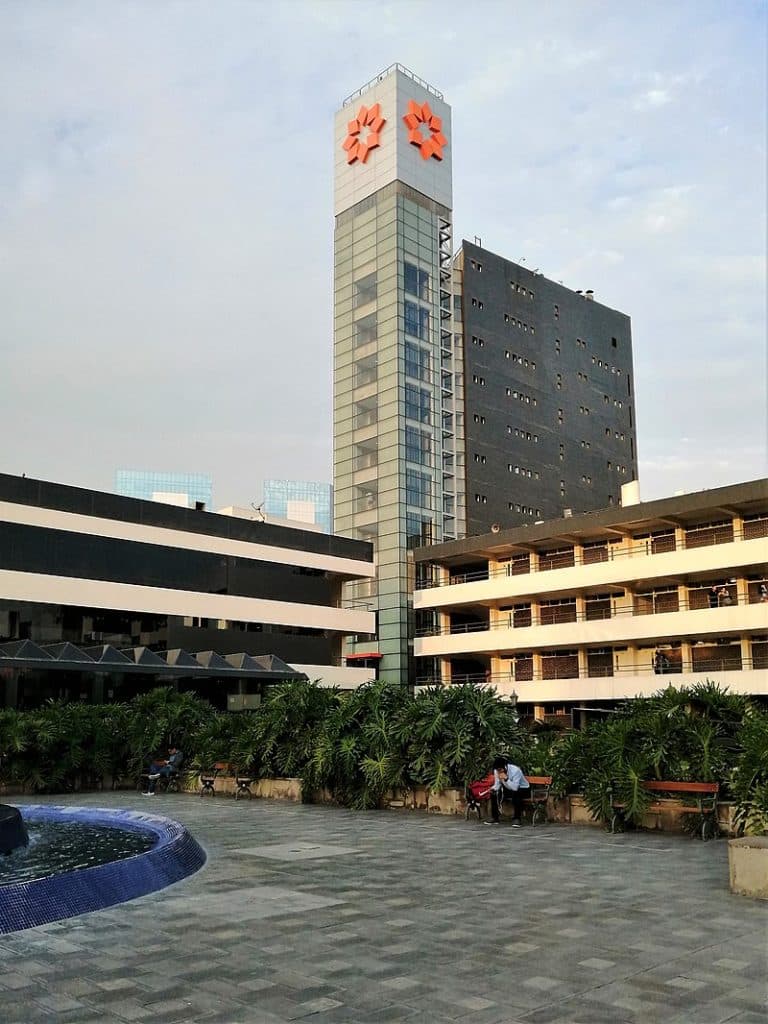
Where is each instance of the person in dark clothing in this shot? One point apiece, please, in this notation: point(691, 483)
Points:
point(169, 770)
point(713, 598)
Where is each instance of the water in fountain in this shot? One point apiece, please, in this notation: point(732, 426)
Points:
point(13, 831)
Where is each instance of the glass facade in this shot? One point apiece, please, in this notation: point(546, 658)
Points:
point(305, 501)
point(393, 404)
point(183, 489)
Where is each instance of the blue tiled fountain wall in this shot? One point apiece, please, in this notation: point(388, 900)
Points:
point(174, 856)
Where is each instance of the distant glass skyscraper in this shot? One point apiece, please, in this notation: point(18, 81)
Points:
point(304, 501)
point(184, 489)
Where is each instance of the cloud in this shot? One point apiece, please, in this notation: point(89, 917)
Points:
point(166, 221)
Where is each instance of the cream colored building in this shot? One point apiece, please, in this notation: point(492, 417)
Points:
point(603, 606)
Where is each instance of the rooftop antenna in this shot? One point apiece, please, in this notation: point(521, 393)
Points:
point(260, 510)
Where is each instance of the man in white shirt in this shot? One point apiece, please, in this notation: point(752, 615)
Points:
point(509, 782)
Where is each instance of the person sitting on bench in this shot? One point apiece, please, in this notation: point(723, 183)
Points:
point(169, 770)
point(508, 781)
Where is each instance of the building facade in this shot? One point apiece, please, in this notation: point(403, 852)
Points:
point(549, 404)
point(601, 607)
point(91, 570)
point(394, 429)
point(182, 489)
point(301, 501)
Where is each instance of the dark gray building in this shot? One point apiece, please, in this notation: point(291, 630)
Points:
point(103, 596)
point(549, 414)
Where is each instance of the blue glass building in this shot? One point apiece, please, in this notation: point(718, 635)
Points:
point(183, 489)
point(304, 501)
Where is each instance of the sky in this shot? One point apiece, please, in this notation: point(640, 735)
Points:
point(166, 221)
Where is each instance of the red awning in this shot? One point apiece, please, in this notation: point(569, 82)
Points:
point(363, 657)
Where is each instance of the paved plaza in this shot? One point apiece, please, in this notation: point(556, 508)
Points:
point(323, 914)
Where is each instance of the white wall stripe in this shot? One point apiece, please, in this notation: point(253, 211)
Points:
point(28, 586)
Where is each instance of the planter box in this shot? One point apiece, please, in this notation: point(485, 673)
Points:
point(579, 813)
point(748, 866)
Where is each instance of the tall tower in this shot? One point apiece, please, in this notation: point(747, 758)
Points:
point(395, 482)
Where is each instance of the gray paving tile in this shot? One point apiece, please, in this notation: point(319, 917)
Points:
point(319, 914)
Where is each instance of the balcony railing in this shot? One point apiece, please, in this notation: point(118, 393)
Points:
point(598, 672)
point(609, 553)
point(561, 615)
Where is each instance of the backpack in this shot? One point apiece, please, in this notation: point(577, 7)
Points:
point(481, 789)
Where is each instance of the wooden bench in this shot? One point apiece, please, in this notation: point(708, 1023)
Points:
point(208, 779)
point(702, 800)
point(535, 801)
point(243, 780)
point(538, 794)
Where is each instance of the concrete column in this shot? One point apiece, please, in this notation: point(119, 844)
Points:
point(583, 664)
point(746, 652)
point(536, 665)
point(738, 528)
point(12, 690)
point(742, 590)
point(686, 654)
point(682, 596)
point(443, 622)
point(581, 609)
point(445, 672)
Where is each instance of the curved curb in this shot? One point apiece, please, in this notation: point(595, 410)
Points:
point(174, 856)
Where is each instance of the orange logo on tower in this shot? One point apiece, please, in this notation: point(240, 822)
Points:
point(433, 142)
point(363, 133)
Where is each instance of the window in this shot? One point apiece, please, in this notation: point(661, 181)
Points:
point(418, 488)
point(418, 446)
point(559, 382)
point(477, 341)
point(559, 415)
point(417, 362)
point(506, 318)
point(418, 404)
point(476, 379)
point(557, 346)
point(416, 281)
point(478, 419)
point(557, 312)
point(365, 290)
point(416, 320)
point(418, 528)
point(480, 458)
point(614, 343)
point(481, 499)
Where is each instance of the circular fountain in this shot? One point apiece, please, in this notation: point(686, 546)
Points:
point(81, 859)
point(13, 831)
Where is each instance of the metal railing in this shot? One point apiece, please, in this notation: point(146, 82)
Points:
point(597, 672)
point(561, 618)
point(612, 552)
point(383, 74)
